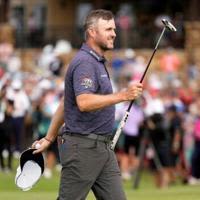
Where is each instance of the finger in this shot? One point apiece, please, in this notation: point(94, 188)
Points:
point(33, 145)
point(140, 86)
point(140, 91)
point(38, 151)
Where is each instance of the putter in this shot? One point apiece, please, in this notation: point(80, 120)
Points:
point(169, 26)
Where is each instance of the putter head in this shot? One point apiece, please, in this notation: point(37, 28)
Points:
point(169, 25)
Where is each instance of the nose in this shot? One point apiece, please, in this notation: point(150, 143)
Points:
point(113, 33)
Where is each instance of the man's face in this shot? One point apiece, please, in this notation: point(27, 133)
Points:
point(105, 34)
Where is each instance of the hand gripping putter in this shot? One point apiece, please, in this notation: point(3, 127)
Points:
point(169, 26)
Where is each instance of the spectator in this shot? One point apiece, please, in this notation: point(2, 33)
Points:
point(6, 51)
point(6, 134)
point(62, 48)
point(170, 64)
point(195, 161)
point(21, 107)
point(175, 130)
point(129, 160)
point(159, 138)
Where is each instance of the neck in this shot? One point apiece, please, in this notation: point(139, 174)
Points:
point(95, 47)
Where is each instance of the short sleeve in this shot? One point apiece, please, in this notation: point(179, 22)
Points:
point(84, 78)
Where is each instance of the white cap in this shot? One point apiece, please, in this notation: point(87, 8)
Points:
point(26, 178)
point(45, 84)
point(62, 47)
point(16, 84)
point(129, 53)
point(48, 49)
point(31, 168)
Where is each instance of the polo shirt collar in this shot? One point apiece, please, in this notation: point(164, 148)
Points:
point(89, 50)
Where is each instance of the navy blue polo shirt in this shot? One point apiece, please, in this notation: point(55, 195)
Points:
point(87, 75)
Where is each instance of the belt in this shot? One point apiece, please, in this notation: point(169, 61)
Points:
point(92, 136)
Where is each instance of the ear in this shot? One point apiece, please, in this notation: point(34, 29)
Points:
point(92, 32)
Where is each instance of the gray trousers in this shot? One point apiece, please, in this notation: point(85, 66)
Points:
point(88, 164)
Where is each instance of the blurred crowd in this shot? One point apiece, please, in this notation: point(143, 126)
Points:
point(166, 119)
point(162, 129)
point(28, 99)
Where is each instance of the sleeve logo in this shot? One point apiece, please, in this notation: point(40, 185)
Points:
point(87, 82)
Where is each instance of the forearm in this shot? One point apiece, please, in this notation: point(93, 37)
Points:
point(56, 122)
point(92, 102)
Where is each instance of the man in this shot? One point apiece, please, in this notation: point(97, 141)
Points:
point(21, 107)
point(88, 112)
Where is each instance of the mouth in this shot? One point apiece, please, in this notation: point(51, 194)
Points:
point(111, 40)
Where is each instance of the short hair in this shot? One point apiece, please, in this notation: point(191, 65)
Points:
point(95, 15)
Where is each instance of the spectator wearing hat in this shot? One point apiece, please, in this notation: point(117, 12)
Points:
point(21, 107)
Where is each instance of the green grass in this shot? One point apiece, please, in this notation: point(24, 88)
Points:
point(47, 190)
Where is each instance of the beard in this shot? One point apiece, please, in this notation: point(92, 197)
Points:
point(104, 46)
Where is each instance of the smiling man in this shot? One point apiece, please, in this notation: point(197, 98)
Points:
point(89, 112)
